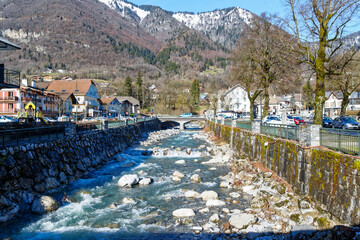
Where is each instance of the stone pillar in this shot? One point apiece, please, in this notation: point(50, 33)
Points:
point(126, 122)
point(222, 121)
point(233, 125)
point(104, 124)
point(309, 135)
point(256, 127)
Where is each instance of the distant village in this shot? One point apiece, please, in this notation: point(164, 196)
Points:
point(76, 99)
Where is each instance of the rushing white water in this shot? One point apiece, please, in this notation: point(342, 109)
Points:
point(90, 215)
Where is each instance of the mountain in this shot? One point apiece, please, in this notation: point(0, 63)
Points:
point(222, 26)
point(352, 40)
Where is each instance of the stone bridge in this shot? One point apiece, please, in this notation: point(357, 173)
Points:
point(181, 120)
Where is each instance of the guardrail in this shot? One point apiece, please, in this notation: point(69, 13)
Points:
point(346, 141)
point(290, 132)
point(30, 135)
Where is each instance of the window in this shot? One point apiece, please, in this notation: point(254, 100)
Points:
point(10, 94)
point(10, 106)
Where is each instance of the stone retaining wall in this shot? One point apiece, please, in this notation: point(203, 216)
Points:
point(27, 172)
point(331, 178)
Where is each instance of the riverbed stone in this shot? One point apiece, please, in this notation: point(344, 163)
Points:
point(235, 195)
point(145, 181)
point(215, 203)
point(128, 200)
point(176, 179)
point(180, 162)
point(204, 210)
point(241, 220)
point(45, 204)
point(206, 195)
point(195, 178)
point(192, 194)
point(128, 180)
point(183, 212)
point(178, 174)
point(214, 218)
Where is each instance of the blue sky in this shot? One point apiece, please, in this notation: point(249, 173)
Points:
point(255, 6)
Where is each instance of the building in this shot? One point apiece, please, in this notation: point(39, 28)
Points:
point(8, 78)
point(13, 101)
point(66, 103)
point(334, 100)
point(235, 99)
point(130, 105)
point(111, 107)
point(86, 93)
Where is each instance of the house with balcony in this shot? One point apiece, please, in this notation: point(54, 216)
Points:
point(111, 107)
point(85, 92)
point(8, 78)
point(65, 104)
point(13, 101)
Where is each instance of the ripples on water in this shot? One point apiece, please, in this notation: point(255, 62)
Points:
point(90, 217)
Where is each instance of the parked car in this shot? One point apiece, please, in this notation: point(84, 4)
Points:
point(299, 120)
point(345, 122)
point(5, 119)
point(185, 115)
point(272, 120)
point(290, 120)
point(327, 122)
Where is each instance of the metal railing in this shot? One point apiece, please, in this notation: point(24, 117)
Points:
point(244, 125)
point(13, 137)
point(346, 141)
point(9, 77)
point(9, 98)
point(290, 132)
point(116, 124)
point(228, 122)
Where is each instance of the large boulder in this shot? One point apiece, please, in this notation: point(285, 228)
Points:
point(183, 212)
point(128, 180)
point(45, 204)
point(195, 178)
point(180, 162)
point(241, 220)
point(207, 195)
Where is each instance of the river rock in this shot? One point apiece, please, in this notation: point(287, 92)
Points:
point(195, 178)
point(241, 220)
point(183, 212)
point(128, 200)
point(180, 162)
point(214, 203)
point(178, 174)
point(206, 195)
point(188, 151)
point(45, 204)
point(235, 195)
point(176, 179)
point(204, 210)
point(191, 194)
point(128, 180)
point(214, 218)
point(225, 184)
point(145, 181)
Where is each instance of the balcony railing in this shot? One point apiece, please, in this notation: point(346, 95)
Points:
point(9, 77)
point(9, 98)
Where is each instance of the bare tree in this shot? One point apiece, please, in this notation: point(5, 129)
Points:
point(346, 78)
point(262, 60)
point(318, 26)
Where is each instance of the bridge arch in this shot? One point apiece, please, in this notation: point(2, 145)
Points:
point(181, 121)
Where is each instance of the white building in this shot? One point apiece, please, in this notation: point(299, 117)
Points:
point(235, 99)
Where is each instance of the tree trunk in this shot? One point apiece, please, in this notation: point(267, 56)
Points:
point(344, 103)
point(252, 100)
point(266, 104)
point(320, 75)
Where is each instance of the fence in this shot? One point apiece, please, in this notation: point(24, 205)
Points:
point(30, 135)
point(346, 141)
point(290, 132)
point(244, 124)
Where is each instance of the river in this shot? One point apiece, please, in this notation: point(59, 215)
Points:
point(98, 210)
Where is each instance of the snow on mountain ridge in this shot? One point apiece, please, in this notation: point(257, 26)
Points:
point(122, 5)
